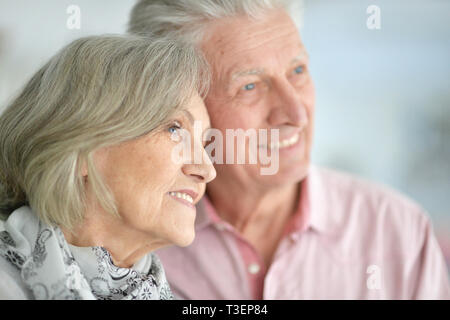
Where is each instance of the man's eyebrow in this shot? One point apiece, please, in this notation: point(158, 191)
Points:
point(254, 72)
point(301, 57)
point(249, 72)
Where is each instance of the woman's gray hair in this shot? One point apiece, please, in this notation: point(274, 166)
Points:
point(188, 19)
point(96, 92)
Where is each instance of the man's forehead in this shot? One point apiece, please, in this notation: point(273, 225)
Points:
point(235, 50)
point(233, 32)
point(237, 40)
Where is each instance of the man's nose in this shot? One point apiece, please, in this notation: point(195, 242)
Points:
point(287, 107)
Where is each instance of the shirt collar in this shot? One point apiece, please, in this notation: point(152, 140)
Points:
point(312, 201)
point(310, 213)
point(206, 214)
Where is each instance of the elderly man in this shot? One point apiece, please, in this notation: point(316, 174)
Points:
point(304, 232)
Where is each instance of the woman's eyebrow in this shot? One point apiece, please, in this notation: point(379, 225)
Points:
point(191, 119)
point(189, 116)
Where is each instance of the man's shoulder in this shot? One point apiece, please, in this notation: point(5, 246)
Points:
point(373, 198)
point(357, 208)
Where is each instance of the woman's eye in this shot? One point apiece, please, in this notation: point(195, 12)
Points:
point(174, 131)
point(299, 70)
point(249, 87)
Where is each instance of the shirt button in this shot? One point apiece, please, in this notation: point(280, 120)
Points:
point(253, 268)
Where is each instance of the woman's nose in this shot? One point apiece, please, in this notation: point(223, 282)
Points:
point(203, 171)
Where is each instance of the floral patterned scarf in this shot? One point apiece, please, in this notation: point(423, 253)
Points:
point(54, 269)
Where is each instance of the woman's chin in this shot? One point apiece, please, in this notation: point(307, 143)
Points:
point(184, 239)
point(188, 240)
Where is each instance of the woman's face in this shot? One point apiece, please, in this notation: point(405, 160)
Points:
point(154, 194)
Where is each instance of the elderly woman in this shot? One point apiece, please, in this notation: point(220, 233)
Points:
point(88, 180)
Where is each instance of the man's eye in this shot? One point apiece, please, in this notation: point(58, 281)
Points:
point(249, 86)
point(299, 70)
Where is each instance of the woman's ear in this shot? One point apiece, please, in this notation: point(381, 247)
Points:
point(83, 168)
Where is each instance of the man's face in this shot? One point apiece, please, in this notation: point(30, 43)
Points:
point(261, 81)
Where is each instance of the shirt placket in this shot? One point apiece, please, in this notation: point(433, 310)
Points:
point(254, 266)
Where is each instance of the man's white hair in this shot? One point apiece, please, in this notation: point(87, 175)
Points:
point(189, 19)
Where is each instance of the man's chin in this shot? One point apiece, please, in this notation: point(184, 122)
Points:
point(286, 175)
point(255, 176)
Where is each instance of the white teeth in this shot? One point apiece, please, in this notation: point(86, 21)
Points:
point(182, 195)
point(286, 142)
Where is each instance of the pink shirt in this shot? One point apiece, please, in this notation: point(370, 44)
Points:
point(348, 239)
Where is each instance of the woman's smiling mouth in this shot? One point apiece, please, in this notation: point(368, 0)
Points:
point(186, 197)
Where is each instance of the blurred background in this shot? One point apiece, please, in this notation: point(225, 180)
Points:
point(383, 95)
